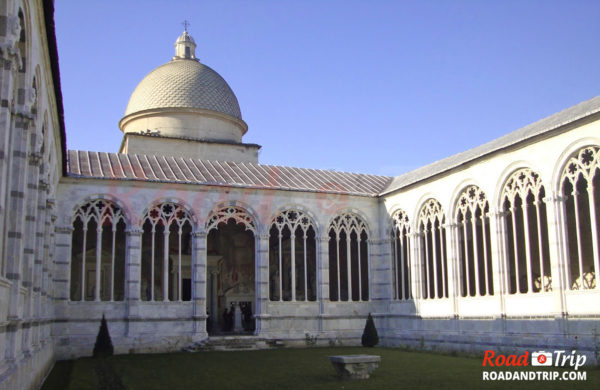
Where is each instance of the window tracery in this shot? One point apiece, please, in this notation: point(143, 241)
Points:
point(166, 253)
point(580, 184)
point(348, 259)
point(292, 257)
point(238, 214)
point(526, 233)
point(401, 256)
point(98, 252)
point(432, 234)
point(473, 238)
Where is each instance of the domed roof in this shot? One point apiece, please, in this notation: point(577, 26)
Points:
point(184, 83)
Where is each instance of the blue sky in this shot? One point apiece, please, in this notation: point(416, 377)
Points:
point(378, 87)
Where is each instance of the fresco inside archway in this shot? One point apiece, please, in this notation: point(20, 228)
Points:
point(230, 279)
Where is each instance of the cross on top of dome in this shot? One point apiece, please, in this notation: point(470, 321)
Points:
point(185, 47)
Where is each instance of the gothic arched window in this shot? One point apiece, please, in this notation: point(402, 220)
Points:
point(474, 249)
point(166, 253)
point(98, 252)
point(401, 256)
point(580, 182)
point(348, 259)
point(432, 235)
point(292, 258)
point(526, 233)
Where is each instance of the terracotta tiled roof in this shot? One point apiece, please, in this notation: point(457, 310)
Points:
point(165, 169)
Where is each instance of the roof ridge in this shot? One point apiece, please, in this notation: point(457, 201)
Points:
point(542, 126)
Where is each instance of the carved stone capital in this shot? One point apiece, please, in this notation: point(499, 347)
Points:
point(63, 229)
point(50, 203)
point(555, 198)
point(324, 239)
point(24, 112)
point(43, 185)
point(35, 159)
point(8, 43)
point(200, 234)
point(134, 231)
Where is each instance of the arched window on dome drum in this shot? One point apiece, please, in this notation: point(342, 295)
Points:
point(432, 237)
point(292, 258)
point(348, 259)
point(401, 256)
point(166, 253)
point(526, 233)
point(98, 253)
point(580, 183)
point(474, 249)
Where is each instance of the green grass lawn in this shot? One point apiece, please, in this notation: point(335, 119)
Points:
point(287, 369)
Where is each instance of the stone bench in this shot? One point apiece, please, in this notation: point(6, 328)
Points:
point(355, 366)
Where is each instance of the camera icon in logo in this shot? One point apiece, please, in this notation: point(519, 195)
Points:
point(541, 358)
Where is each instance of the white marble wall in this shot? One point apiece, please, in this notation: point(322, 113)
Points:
point(138, 326)
point(30, 165)
point(560, 318)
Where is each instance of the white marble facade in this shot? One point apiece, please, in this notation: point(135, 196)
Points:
point(496, 247)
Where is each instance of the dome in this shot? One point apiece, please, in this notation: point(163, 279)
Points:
point(184, 83)
point(184, 37)
point(183, 99)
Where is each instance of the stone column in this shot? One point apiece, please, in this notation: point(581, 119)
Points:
point(47, 258)
point(133, 261)
point(262, 282)
point(38, 269)
point(452, 266)
point(29, 245)
point(62, 271)
point(497, 251)
point(322, 276)
point(380, 278)
point(415, 269)
point(8, 72)
point(15, 230)
point(559, 253)
point(199, 261)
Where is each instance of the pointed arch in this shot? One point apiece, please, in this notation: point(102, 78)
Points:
point(401, 255)
point(580, 189)
point(232, 240)
point(300, 208)
point(166, 251)
point(224, 214)
point(432, 247)
point(348, 258)
point(524, 216)
point(471, 216)
point(98, 252)
point(292, 257)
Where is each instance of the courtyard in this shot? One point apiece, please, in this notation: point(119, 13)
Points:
point(303, 368)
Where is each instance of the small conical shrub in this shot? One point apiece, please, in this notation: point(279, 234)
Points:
point(103, 346)
point(370, 338)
